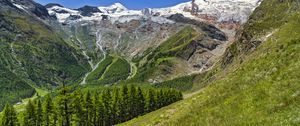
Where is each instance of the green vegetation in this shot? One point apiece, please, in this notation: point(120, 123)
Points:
point(106, 107)
point(118, 70)
point(157, 60)
point(111, 70)
point(9, 83)
point(22, 103)
point(261, 90)
point(96, 75)
point(182, 83)
point(33, 55)
point(9, 117)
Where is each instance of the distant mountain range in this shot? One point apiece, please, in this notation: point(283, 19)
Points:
point(212, 10)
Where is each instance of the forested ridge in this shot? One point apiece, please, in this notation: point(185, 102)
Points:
point(90, 108)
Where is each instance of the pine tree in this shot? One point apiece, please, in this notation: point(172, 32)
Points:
point(6, 116)
point(29, 117)
point(151, 103)
point(9, 117)
point(141, 102)
point(100, 112)
point(48, 111)
point(55, 118)
point(39, 113)
point(116, 106)
point(64, 107)
point(124, 113)
point(168, 96)
point(78, 112)
point(133, 102)
point(180, 96)
point(13, 117)
point(160, 98)
point(106, 99)
point(88, 109)
point(96, 113)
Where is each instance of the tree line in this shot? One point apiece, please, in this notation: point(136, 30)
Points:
point(103, 108)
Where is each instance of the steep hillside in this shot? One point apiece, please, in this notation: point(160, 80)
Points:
point(32, 54)
point(257, 83)
point(188, 51)
point(111, 70)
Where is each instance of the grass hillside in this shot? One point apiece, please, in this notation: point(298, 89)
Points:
point(162, 60)
point(262, 89)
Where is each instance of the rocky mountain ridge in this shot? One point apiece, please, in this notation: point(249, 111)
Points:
point(212, 11)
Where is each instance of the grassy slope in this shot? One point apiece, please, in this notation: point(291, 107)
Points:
point(263, 90)
point(156, 61)
point(109, 71)
point(95, 75)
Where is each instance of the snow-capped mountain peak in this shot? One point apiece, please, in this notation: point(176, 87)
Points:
point(114, 8)
point(119, 6)
point(213, 11)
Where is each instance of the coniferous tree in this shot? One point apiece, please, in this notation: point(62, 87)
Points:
point(159, 98)
point(151, 104)
point(9, 117)
point(48, 111)
point(106, 99)
point(39, 113)
point(64, 107)
point(13, 117)
point(100, 112)
point(55, 117)
point(6, 116)
point(141, 101)
point(96, 113)
point(124, 111)
point(169, 99)
point(113, 107)
point(78, 112)
point(88, 109)
point(133, 104)
point(116, 106)
point(29, 117)
point(180, 97)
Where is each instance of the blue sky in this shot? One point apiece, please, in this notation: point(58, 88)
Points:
point(131, 4)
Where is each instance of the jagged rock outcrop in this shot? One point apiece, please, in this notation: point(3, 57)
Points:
point(88, 10)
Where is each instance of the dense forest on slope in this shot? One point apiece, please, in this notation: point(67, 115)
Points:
point(33, 55)
point(110, 71)
point(107, 107)
point(257, 83)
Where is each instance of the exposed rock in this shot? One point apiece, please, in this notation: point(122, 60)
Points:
point(210, 29)
point(147, 12)
point(74, 17)
point(49, 5)
point(88, 10)
point(33, 7)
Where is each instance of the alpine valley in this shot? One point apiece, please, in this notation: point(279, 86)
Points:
point(203, 62)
